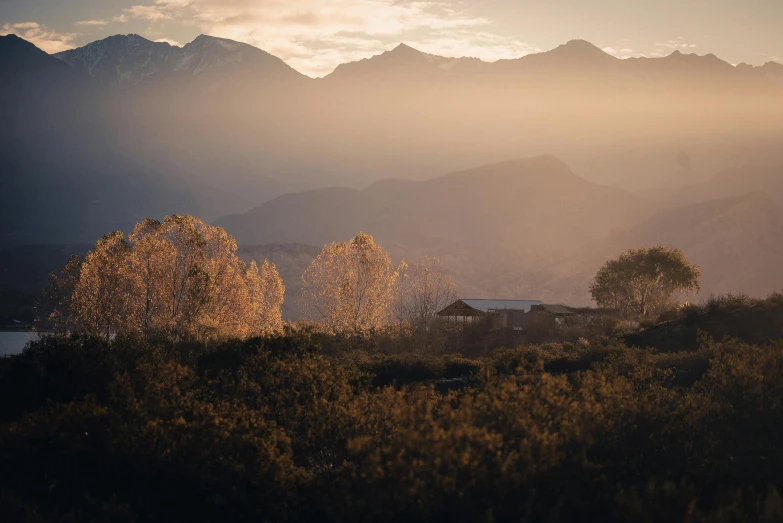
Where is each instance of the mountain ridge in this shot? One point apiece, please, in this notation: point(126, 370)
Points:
point(495, 206)
point(132, 58)
point(575, 52)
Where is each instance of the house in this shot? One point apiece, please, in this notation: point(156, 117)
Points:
point(532, 316)
point(501, 313)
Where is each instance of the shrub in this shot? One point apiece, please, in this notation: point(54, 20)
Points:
point(275, 429)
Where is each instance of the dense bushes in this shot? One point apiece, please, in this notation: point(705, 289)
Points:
point(272, 429)
point(737, 316)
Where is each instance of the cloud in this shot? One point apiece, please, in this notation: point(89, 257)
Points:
point(314, 36)
point(153, 13)
point(122, 18)
point(96, 23)
point(675, 44)
point(41, 36)
point(485, 46)
point(169, 41)
point(620, 53)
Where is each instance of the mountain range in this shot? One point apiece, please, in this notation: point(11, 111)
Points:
point(125, 127)
point(98, 137)
point(133, 58)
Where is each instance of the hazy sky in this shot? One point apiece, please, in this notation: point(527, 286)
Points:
point(314, 36)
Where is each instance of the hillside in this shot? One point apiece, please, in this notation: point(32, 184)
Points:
point(736, 241)
point(493, 227)
point(536, 207)
point(519, 229)
point(736, 181)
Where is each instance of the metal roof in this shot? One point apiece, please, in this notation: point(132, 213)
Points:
point(558, 309)
point(495, 305)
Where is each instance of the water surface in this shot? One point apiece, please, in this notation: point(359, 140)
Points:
point(14, 342)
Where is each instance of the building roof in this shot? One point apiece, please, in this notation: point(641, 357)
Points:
point(558, 309)
point(495, 305)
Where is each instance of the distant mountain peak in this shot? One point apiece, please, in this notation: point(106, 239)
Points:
point(128, 38)
point(402, 59)
point(404, 51)
point(20, 53)
point(572, 52)
point(546, 165)
point(580, 44)
point(204, 39)
point(691, 59)
point(402, 47)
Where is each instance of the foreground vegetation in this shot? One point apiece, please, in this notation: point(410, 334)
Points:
point(305, 426)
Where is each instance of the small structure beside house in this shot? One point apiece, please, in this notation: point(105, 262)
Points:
point(501, 313)
point(560, 313)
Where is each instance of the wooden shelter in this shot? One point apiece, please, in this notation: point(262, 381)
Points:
point(502, 313)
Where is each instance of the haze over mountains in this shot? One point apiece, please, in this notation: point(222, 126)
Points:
point(621, 152)
point(533, 228)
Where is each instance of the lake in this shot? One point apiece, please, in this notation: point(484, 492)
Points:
point(14, 342)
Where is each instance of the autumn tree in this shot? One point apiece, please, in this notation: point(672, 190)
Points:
point(54, 310)
point(348, 286)
point(180, 278)
point(422, 288)
point(102, 296)
point(266, 291)
point(645, 281)
point(152, 266)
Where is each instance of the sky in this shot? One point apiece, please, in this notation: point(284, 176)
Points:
point(314, 36)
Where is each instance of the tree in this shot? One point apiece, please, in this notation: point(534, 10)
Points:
point(180, 278)
point(191, 284)
point(151, 265)
point(266, 297)
point(421, 290)
point(348, 287)
point(645, 282)
point(101, 297)
point(54, 309)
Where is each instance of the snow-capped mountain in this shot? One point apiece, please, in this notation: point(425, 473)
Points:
point(129, 59)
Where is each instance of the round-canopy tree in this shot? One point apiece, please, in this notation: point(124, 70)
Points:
point(348, 287)
point(645, 281)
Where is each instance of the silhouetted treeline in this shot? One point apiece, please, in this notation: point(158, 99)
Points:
point(306, 426)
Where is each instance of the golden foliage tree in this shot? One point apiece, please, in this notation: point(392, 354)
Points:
point(101, 297)
point(348, 287)
point(180, 278)
point(54, 310)
point(421, 290)
point(645, 282)
point(266, 296)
